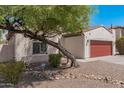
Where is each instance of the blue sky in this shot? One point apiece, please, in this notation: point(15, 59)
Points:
point(107, 15)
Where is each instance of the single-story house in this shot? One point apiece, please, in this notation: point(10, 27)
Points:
point(21, 48)
point(93, 42)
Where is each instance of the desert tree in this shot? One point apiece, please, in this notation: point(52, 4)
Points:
point(44, 22)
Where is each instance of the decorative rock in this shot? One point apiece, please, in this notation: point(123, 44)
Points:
point(109, 78)
point(95, 78)
point(71, 74)
point(99, 78)
point(86, 76)
point(56, 78)
point(51, 78)
point(121, 82)
point(62, 77)
point(92, 76)
point(67, 77)
point(122, 85)
point(72, 77)
point(114, 81)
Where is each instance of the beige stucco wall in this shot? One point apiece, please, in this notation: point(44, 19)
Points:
point(99, 34)
point(51, 49)
point(119, 32)
point(24, 46)
point(74, 45)
point(79, 46)
point(7, 51)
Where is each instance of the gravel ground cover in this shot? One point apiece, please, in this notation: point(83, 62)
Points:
point(89, 75)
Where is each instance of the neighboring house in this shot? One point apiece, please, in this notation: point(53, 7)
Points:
point(119, 31)
point(21, 48)
point(93, 42)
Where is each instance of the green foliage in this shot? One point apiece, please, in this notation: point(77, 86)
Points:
point(1, 38)
point(120, 45)
point(51, 19)
point(1, 34)
point(1, 42)
point(12, 71)
point(54, 60)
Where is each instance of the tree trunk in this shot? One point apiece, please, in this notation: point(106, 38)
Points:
point(64, 51)
point(32, 35)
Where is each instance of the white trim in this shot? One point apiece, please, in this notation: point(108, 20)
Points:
point(100, 39)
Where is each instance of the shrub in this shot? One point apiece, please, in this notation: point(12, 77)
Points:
point(12, 71)
point(54, 60)
point(120, 45)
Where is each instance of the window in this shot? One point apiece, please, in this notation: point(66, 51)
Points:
point(39, 48)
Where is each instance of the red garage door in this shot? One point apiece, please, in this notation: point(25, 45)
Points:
point(100, 48)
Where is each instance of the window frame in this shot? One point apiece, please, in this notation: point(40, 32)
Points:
point(40, 52)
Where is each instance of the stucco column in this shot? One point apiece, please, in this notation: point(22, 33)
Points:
point(86, 47)
point(113, 42)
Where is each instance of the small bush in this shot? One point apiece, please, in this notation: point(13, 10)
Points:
point(120, 45)
point(54, 60)
point(12, 70)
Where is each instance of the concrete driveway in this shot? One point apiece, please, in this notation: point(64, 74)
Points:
point(118, 59)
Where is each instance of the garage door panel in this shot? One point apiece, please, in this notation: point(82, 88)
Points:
point(100, 48)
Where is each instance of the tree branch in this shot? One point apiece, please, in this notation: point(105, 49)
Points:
point(33, 35)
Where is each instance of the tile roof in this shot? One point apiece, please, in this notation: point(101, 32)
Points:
point(116, 27)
